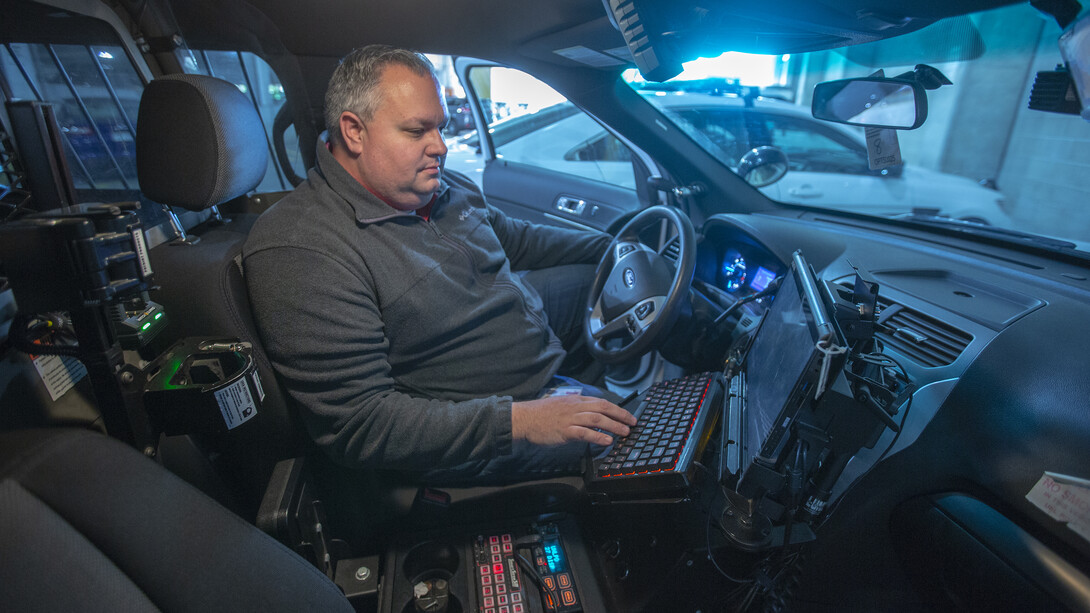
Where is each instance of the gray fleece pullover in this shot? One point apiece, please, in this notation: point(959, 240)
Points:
point(404, 340)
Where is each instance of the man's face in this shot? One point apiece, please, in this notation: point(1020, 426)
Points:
point(402, 147)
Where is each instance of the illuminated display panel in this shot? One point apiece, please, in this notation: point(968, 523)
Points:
point(554, 557)
point(761, 279)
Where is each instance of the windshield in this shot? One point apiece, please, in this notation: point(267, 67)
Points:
point(981, 157)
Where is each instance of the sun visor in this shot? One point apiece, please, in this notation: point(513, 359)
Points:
point(660, 36)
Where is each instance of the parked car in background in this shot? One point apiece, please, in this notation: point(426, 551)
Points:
point(460, 116)
point(827, 163)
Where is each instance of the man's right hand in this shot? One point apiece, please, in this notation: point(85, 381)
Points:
point(558, 419)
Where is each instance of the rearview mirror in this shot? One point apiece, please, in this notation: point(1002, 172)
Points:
point(876, 102)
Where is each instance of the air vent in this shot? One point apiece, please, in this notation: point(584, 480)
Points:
point(673, 250)
point(920, 337)
point(917, 336)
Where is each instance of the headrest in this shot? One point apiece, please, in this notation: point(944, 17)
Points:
point(199, 142)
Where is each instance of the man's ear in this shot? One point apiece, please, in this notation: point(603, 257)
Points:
point(352, 129)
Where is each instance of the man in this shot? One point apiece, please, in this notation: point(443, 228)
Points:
point(385, 294)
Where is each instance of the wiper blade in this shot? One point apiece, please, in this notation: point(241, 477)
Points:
point(970, 227)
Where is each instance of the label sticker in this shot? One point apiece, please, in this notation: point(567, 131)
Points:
point(141, 252)
point(1065, 499)
point(883, 148)
point(59, 373)
point(257, 386)
point(236, 404)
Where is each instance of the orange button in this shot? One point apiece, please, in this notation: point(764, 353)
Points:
point(564, 580)
point(549, 583)
point(568, 596)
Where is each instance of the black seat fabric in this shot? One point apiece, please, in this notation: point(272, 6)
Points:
point(88, 524)
point(200, 142)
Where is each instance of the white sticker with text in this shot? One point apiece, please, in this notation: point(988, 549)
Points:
point(1065, 499)
point(883, 148)
point(236, 403)
point(59, 374)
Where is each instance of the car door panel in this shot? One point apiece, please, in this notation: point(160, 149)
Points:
point(556, 198)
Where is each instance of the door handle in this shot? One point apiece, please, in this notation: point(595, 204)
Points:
point(571, 206)
point(804, 191)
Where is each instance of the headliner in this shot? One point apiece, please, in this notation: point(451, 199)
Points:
point(510, 30)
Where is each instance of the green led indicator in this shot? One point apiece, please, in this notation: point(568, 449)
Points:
point(158, 315)
point(146, 326)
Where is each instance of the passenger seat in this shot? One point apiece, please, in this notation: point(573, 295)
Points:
point(88, 524)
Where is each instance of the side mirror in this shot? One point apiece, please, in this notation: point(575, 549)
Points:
point(763, 166)
point(876, 102)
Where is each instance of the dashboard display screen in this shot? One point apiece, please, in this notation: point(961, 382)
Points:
point(554, 556)
point(761, 279)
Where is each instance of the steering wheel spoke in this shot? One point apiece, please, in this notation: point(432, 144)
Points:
point(634, 321)
point(638, 290)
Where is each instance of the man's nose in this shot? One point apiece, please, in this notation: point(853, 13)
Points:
point(437, 146)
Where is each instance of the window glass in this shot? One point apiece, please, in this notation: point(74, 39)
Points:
point(810, 148)
point(95, 91)
point(530, 123)
point(255, 78)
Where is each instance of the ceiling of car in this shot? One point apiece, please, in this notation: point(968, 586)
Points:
point(506, 30)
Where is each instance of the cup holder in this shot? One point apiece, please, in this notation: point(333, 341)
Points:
point(453, 606)
point(430, 560)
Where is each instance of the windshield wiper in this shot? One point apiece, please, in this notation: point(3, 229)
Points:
point(969, 227)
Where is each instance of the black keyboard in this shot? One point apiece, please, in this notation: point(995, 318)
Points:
point(674, 420)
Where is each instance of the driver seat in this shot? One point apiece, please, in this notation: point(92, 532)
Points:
point(200, 143)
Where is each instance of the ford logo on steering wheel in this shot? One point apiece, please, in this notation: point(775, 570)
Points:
point(629, 278)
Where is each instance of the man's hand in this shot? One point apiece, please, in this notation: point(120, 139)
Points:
point(557, 419)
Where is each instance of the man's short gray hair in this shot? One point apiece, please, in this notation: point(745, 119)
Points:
point(354, 84)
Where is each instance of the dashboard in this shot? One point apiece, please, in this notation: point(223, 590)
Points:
point(985, 335)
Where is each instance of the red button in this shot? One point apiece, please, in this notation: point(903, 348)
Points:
point(489, 601)
point(564, 580)
point(516, 597)
point(496, 559)
point(487, 579)
point(484, 570)
point(497, 568)
point(517, 608)
point(501, 599)
point(507, 548)
point(501, 588)
point(492, 540)
point(486, 590)
point(567, 596)
point(505, 610)
point(507, 538)
point(495, 548)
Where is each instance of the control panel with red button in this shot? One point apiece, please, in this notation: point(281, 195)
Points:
point(499, 584)
point(503, 586)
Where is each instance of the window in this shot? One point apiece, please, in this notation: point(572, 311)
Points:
point(815, 148)
point(530, 123)
point(256, 79)
point(95, 91)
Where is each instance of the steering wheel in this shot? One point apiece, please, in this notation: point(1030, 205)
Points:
point(638, 291)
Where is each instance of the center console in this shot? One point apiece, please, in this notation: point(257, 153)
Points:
point(524, 566)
